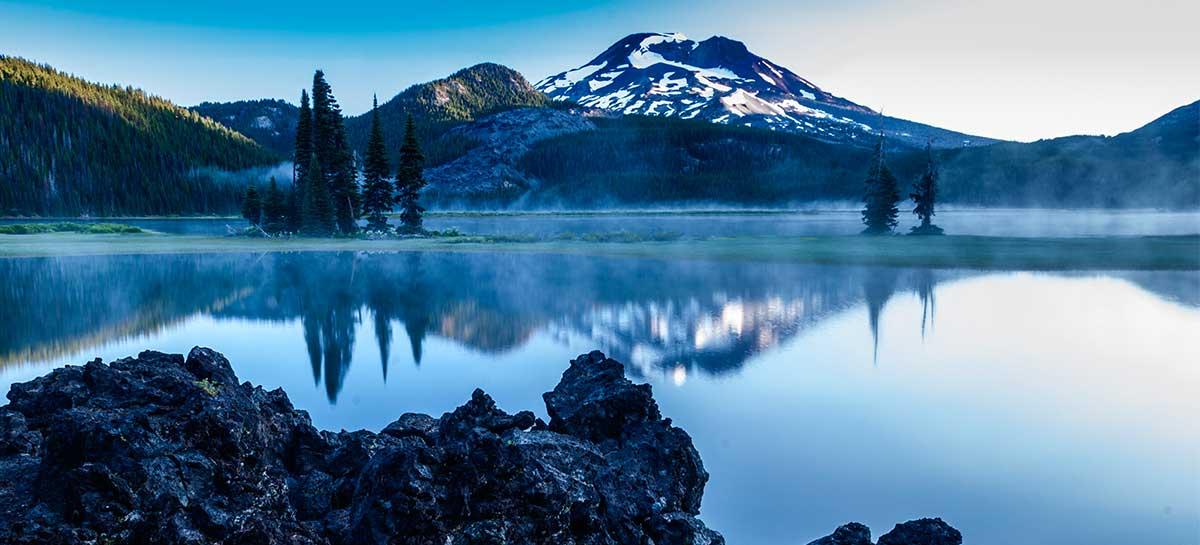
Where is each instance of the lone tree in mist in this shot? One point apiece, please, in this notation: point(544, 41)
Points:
point(881, 196)
point(924, 195)
point(252, 205)
point(274, 210)
point(377, 188)
point(410, 179)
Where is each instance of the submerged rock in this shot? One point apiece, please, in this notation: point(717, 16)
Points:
point(914, 532)
point(163, 449)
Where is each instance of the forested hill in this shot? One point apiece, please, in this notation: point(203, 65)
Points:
point(438, 105)
point(270, 122)
point(70, 147)
point(1157, 165)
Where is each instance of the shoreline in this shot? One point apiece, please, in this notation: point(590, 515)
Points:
point(699, 210)
point(952, 251)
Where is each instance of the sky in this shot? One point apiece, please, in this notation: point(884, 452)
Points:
point(1012, 69)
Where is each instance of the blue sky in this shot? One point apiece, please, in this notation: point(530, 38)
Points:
point(1018, 69)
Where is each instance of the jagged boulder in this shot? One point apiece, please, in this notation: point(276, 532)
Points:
point(847, 534)
point(163, 449)
point(914, 532)
point(925, 531)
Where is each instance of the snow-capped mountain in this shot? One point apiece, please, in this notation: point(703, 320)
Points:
point(719, 80)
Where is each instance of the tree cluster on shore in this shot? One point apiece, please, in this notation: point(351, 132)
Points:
point(326, 197)
point(882, 193)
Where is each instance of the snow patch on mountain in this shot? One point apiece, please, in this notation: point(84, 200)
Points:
point(720, 80)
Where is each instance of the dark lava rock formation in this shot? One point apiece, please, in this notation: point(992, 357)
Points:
point(914, 532)
point(166, 450)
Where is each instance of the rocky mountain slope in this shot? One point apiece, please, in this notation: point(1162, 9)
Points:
point(720, 80)
point(270, 122)
point(488, 168)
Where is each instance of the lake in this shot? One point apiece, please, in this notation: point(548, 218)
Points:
point(1021, 407)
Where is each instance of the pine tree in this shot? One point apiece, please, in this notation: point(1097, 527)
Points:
point(881, 196)
point(347, 199)
point(300, 163)
point(377, 189)
point(924, 196)
point(252, 206)
point(333, 154)
point(322, 123)
point(274, 209)
point(410, 179)
point(318, 209)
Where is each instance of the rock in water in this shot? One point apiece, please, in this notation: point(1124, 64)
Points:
point(167, 450)
point(914, 532)
point(922, 532)
point(847, 534)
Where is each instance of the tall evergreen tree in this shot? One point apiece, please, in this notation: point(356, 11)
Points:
point(881, 196)
point(924, 196)
point(410, 179)
point(333, 154)
point(347, 199)
point(301, 158)
point(304, 140)
point(323, 125)
point(377, 188)
point(274, 209)
point(318, 209)
point(252, 205)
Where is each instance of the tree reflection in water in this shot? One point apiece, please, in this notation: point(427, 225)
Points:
point(659, 316)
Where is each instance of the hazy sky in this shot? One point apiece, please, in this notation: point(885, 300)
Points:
point(1016, 69)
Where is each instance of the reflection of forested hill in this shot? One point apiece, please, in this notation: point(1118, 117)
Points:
point(1179, 286)
point(657, 315)
point(58, 305)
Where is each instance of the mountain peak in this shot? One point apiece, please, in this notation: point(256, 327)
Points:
point(720, 80)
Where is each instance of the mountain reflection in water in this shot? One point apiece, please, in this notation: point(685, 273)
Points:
point(659, 316)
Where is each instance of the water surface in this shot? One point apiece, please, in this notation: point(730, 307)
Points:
point(1037, 408)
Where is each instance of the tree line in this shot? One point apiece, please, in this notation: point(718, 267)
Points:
point(326, 196)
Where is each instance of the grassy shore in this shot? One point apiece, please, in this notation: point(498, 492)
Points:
point(1091, 253)
point(69, 227)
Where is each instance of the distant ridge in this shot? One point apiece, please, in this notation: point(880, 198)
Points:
point(1157, 165)
point(438, 105)
point(270, 122)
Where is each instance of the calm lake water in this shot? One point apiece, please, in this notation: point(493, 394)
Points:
point(1021, 407)
point(962, 221)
